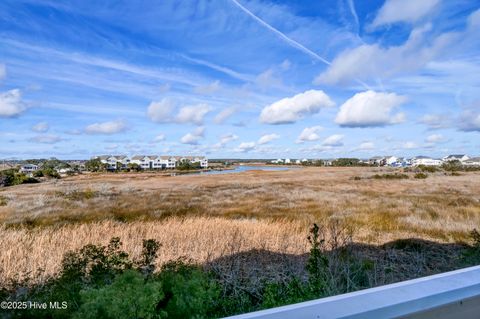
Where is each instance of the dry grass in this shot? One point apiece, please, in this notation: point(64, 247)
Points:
point(26, 251)
point(205, 217)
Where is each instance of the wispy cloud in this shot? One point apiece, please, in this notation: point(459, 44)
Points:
point(281, 35)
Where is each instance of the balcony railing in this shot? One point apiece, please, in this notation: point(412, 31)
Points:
point(454, 294)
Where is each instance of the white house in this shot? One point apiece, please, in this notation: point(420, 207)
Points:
point(390, 160)
point(167, 161)
point(456, 157)
point(287, 161)
point(112, 160)
point(425, 160)
point(474, 161)
point(145, 162)
point(377, 160)
point(200, 159)
point(277, 161)
point(28, 168)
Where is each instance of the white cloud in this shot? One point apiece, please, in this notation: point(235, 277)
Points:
point(193, 114)
point(268, 79)
point(41, 127)
point(285, 65)
point(161, 111)
point(365, 146)
point(410, 11)
point(245, 147)
point(46, 139)
point(369, 61)
point(267, 138)
point(110, 127)
point(309, 134)
point(335, 140)
point(194, 137)
point(159, 138)
point(289, 110)
point(225, 139)
point(435, 138)
point(208, 89)
point(228, 138)
point(436, 121)
point(11, 103)
point(3, 71)
point(409, 145)
point(164, 88)
point(470, 121)
point(224, 115)
point(370, 109)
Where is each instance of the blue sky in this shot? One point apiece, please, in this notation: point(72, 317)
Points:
point(239, 78)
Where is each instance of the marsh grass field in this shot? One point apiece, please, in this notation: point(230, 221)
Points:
point(207, 218)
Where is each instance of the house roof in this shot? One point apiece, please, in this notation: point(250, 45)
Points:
point(138, 157)
point(456, 156)
point(104, 157)
point(473, 159)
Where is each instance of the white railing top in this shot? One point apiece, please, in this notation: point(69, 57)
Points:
point(444, 295)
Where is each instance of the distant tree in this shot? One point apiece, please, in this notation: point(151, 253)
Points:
point(187, 165)
point(95, 165)
point(54, 163)
point(452, 166)
point(134, 167)
point(347, 162)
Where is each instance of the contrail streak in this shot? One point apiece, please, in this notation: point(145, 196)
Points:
point(291, 42)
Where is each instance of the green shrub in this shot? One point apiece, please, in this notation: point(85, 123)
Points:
point(38, 173)
point(50, 172)
point(420, 176)
point(30, 180)
point(428, 169)
point(129, 296)
point(189, 291)
point(3, 201)
point(187, 165)
point(390, 176)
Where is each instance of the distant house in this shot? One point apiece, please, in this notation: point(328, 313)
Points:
point(456, 157)
point(113, 160)
point(202, 160)
point(167, 162)
point(377, 160)
point(277, 161)
point(28, 168)
point(145, 161)
point(425, 160)
point(287, 161)
point(390, 160)
point(474, 161)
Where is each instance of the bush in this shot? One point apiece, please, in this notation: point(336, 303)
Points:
point(12, 177)
point(3, 201)
point(390, 176)
point(420, 176)
point(428, 169)
point(189, 291)
point(103, 282)
point(187, 165)
point(129, 296)
point(30, 180)
point(95, 165)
